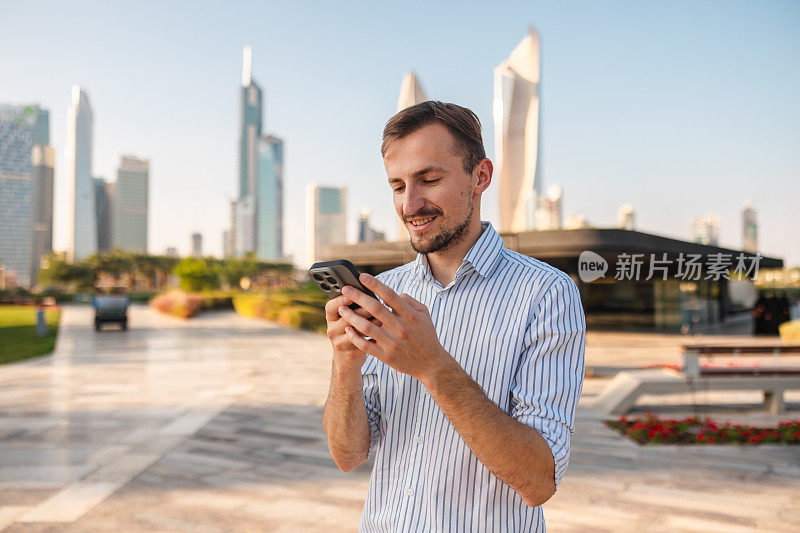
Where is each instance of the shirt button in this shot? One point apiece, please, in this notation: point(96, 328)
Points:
point(419, 439)
point(410, 492)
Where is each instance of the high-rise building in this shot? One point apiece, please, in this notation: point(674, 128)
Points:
point(197, 245)
point(172, 251)
point(626, 217)
point(269, 199)
point(250, 117)
point(82, 232)
point(749, 229)
point(104, 213)
point(229, 235)
point(131, 204)
point(517, 128)
point(257, 225)
point(411, 93)
point(365, 232)
point(706, 230)
point(26, 177)
point(548, 213)
point(326, 219)
point(42, 206)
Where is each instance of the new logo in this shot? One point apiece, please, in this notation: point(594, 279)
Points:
point(591, 266)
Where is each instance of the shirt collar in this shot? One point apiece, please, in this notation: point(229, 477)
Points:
point(483, 255)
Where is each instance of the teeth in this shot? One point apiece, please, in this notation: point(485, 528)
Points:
point(422, 222)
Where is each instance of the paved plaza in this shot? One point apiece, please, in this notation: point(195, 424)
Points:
point(214, 425)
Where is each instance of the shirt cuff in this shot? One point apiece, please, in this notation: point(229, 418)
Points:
point(556, 435)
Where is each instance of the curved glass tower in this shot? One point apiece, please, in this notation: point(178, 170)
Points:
point(83, 230)
point(517, 134)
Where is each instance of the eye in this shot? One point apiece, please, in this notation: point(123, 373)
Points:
point(398, 189)
point(432, 180)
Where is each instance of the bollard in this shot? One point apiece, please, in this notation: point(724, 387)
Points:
point(41, 325)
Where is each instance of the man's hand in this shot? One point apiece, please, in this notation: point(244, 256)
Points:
point(403, 337)
point(344, 417)
point(344, 352)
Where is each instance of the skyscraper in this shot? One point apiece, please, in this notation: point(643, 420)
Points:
point(82, 229)
point(26, 170)
point(257, 225)
point(326, 222)
point(104, 213)
point(626, 217)
point(197, 245)
point(411, 93)
point(367, 233)
point(269, 199)
point(749, 229)
point(518, 134)
point(250, 116)
point(42, 205)
point(548, 213)
point(131, 204)
point(229, 235)
point(706, 230)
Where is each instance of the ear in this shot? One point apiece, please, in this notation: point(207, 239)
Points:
point(483, 175)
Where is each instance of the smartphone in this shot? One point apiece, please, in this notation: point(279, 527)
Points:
point(331, 276)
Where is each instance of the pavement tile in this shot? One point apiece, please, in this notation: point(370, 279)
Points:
point(214, 424)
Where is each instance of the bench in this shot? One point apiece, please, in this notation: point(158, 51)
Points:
point(622, 392)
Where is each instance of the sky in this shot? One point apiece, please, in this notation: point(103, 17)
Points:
point(680, 108)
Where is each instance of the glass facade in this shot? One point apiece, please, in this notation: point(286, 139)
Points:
point(130, 205)
point(83, 230)
point(22, 128)
point(269, 211)
point(326, 210)
point(250, 123)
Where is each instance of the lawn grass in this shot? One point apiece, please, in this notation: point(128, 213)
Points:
point(18, 338)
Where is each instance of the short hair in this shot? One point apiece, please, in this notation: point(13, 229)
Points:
point(463, 124)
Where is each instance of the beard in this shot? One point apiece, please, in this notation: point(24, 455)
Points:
point(446, 238)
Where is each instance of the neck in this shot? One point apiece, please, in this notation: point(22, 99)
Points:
point(444, 263)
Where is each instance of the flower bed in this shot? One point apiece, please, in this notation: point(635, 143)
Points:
point(177, 303)
point(653, 430)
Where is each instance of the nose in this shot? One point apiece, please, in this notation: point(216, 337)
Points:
point(412, 201)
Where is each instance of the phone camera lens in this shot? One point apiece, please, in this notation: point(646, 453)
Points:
point(318, 277)
point(331, 280)
point(325, 287)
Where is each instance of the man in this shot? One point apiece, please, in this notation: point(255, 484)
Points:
point(476, 353)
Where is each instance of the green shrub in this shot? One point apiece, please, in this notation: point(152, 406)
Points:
point(196, 274)
point(282, 307)
point(302, 317)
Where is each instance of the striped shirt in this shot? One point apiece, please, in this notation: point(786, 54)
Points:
point(516, 326)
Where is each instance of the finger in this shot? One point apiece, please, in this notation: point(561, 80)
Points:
point(331, 308)
point(386, 294)
point(360, 342)
point(369, 304)
point(360, 323)
point(363, 312)
point(415, 304)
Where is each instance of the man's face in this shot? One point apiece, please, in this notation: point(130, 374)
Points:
point(433, 195)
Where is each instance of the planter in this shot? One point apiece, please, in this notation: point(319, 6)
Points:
point(653, 430)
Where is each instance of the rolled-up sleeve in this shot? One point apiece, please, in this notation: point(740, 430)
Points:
point(370, 379)
point(549, 378)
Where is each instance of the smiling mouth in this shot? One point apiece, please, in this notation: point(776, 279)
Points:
point(421, 223)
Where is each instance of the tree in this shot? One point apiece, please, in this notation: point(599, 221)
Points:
point(79, 276)
point(196, 274)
